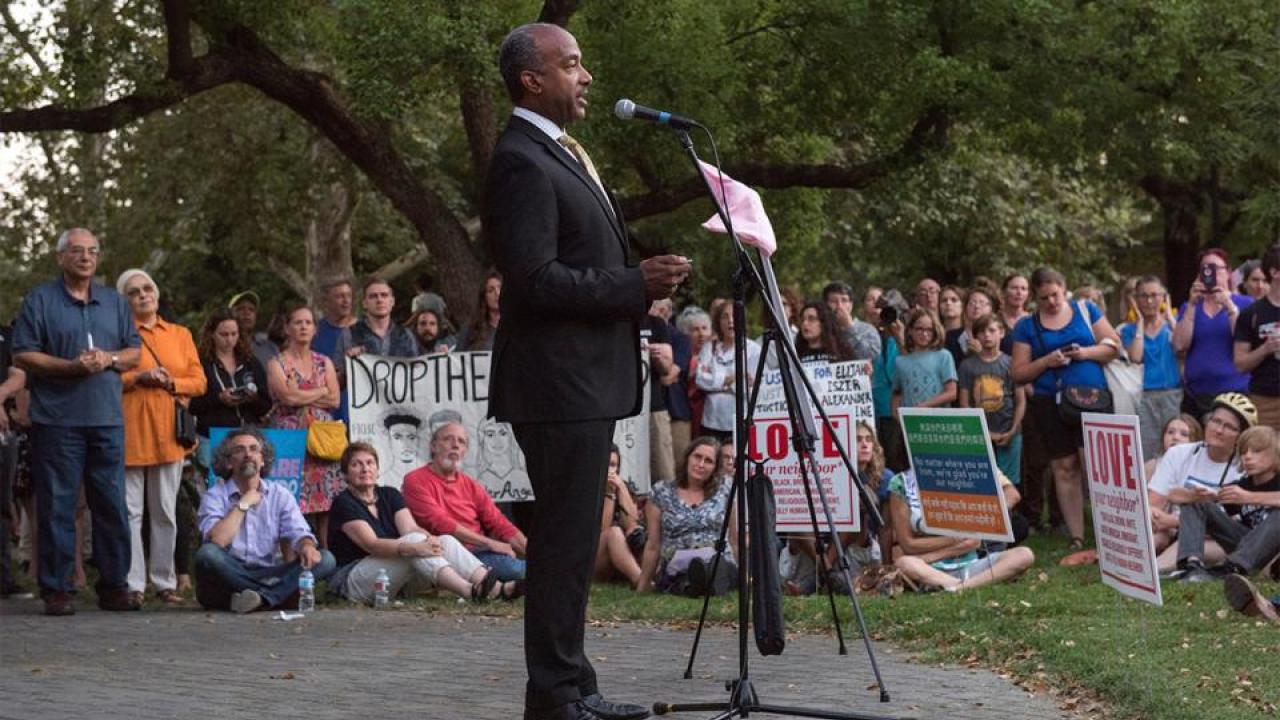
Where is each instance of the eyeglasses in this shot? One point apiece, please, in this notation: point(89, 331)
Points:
point(134, 292)
point(1229, 427)
point(79, 250)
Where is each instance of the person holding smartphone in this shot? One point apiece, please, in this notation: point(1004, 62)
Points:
point(1062, 345)
point(1203, 335)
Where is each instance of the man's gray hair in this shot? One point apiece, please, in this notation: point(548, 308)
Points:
point(689, 316)
point(519, 52)
point(65, 238)
point(435, 434)
point(222, 453)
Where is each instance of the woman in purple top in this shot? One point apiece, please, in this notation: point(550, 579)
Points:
point(1203, 335)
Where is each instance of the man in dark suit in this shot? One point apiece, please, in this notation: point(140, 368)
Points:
point(566, 356)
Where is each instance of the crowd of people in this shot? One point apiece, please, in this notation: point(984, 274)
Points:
point(107, 402)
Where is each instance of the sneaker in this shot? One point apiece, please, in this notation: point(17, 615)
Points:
point(1243, 597)
point(245, 601)
point(1195, 572)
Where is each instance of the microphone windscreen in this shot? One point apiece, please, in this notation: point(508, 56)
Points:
point(624, 109)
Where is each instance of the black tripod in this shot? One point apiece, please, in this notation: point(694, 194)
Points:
point(743, 699)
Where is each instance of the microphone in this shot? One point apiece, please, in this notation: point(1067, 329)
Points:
point(627, 110)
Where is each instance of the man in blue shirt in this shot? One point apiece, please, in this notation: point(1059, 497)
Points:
point(74, 337)
point(245, 521)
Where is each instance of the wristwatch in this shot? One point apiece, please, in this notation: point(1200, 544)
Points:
point(244, 506)
point(115, 360)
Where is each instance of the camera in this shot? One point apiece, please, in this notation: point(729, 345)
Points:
point(892, 307)
point(249, 389)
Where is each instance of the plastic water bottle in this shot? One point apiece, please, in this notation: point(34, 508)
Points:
point(381, 589)
point(306, 592)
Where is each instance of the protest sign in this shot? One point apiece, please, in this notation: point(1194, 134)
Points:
point(397, 403)
point(955, 469)
point(1118, 494)
point(631, 435)
point(844, 389)
point(290, 448)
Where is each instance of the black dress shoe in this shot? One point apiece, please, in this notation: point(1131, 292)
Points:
point(570, 711)
point(614, 711)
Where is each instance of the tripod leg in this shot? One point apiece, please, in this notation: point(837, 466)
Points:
point(819, 547)
point(715, 565)
point(853, 597)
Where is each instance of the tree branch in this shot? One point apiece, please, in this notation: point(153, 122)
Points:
point(24, 41)
point(403, 264)
point(478, 119)
point(207, 72)
point(292, 277)
point(557, 12)
point(929, 134)
point(177, 22)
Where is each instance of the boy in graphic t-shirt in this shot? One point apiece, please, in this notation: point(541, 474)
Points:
point(986, 381)
point(1241, 515)
point(1257, 344)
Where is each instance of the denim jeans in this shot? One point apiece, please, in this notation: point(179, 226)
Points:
point(506, 567)
point(63, 458)
point(219, 575)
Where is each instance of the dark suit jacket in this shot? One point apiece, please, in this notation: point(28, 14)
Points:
point(568, 345)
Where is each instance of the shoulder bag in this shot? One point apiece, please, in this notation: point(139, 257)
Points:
point(184, 423)
point(1124, 376)
point(1073, 400)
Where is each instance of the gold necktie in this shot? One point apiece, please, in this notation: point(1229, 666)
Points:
point(583, 159)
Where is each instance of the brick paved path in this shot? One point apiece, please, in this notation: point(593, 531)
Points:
point(358, 663)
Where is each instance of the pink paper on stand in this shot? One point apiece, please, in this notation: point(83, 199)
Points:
point(745, 209)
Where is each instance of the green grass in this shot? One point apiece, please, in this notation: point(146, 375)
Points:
point(1056, 627)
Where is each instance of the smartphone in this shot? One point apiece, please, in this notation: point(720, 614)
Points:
point(1208, 277)
point(1070, 348)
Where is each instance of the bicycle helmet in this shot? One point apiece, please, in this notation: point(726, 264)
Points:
point(1239, 404)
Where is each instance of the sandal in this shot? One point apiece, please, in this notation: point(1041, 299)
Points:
point(1077, 544)
point(169, 597)
point(481, 589)
point(516, 592)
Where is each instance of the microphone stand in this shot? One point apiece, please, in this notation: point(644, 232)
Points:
point(743, 699)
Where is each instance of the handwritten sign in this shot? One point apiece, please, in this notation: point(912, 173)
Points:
point(844, 389)
point(397, 403)
point(290, 448)
point(1121, 518)
point(955, 468)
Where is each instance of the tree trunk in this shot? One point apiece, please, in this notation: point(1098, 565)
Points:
point(1181, 204)
point(1181, 245)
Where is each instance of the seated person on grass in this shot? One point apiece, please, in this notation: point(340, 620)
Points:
point(952, 564)
point(446, 501)
point(1241, 515)
point(245, 520)
point(1186, 469)
point(371, 531)
point(1179, 430)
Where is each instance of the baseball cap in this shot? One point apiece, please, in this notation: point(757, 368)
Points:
point(242, 296)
